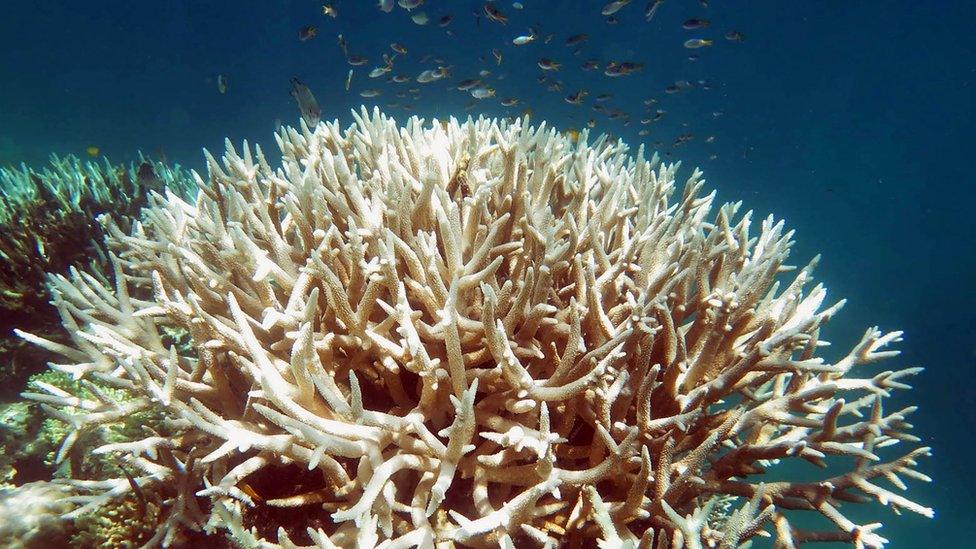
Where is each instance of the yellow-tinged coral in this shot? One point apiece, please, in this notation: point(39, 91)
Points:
point(478, 334)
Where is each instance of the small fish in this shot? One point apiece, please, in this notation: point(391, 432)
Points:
point(695, 43)
point(692, 24)
point(498, 56)
point(517, 5)
point(385, 6)
point(342, 45)
point(603, 97)
point(693, 57)
point(591, 65)
point(612, 20)
point(409, 4)
point(494, 14)
point(92, 151)
point(577, 39)
point(615, 69)
point(547, 64)
point(356, 60)
point(672, 89)
point(445, 20)
point(431, 75)
point(379, 71)
point(484, 72)
point(549, 37)
point(523, 40)
point(651, 9)
point(591, 123)
point(369, 93)
point(466, 85)
point(307, 104)
point(420, 18)
point(734, 36)
point(643, 132)
point(577, 98)
point(710, 139)
point(482, 93)
point(401, 78)
point(329, 9)
point(510, 102)
point(307, 33)
point(614, 7)
point(221, 83)
point(397, 47)
point(348, 79)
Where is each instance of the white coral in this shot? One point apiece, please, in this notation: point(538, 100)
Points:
point(477, 332)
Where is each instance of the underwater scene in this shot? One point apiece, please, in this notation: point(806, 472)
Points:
point(662, 274)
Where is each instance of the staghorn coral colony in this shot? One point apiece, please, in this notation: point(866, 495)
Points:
point(469, 334)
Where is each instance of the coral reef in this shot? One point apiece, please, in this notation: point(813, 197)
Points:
point(471, 334)
point(47, 225)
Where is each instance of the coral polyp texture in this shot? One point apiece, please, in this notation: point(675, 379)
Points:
point(474, 334)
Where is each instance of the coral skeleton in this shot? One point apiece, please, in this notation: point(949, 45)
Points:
point(473, 334)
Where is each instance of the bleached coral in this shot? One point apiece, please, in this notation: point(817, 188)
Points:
point(481, 333)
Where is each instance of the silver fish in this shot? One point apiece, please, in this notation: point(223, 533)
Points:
point(614, 7)
point(307, 104)
point(482, 93)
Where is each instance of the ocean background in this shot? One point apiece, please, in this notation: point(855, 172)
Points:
point(851, 120)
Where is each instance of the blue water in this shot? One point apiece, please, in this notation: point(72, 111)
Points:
point(851, 120)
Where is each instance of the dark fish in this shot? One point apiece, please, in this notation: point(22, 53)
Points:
point(577, 39)
point(604, 97)
point(307, 33)
point(342, 45)
point(734, 36)
point(307, 104)
point(547, 64)
point(591, 65)
point(495, 14)
point(466, 85)
point(356, 60)
point(692, 24)
point(445, 20)
point(576, 98)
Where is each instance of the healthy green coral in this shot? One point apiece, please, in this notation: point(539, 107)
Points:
point(48, 223)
